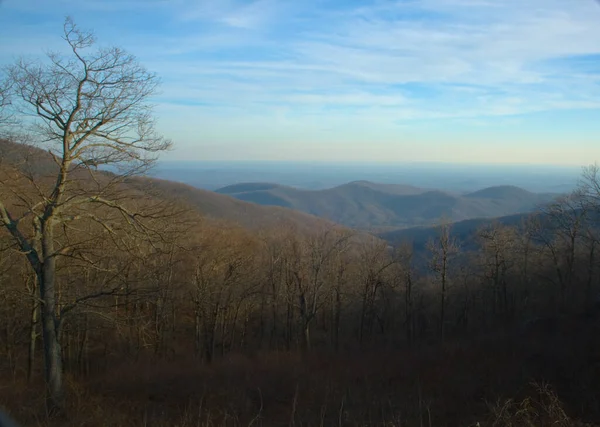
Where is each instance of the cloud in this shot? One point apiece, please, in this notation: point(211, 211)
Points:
point(333, 65)
point(252, 16)
point(513, 56)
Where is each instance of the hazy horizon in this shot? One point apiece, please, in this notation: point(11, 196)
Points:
point(212, 175)
point(537, 166)
point(471, 81)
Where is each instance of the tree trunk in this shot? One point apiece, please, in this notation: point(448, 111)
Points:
point(82, 356)
point(210, 332)
point(589, 301)
point(336, 320)
point(225, 316)
point(306, 336)
point(32, 334)
point(305, 319)
point(363, 315)
point(289, 327)
point(408, 303)
point(52, 351)
point(274, 338)
point(263, 322)
point(197, 332)
point(443, 300)
point(234, 327)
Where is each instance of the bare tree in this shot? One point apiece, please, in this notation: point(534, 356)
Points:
point(339, 277)
point(589, 186)
point(4, 104)
point(443, 249)
point(405, 269)
point(497, 245)
point(558, 233)
point(273, 245)
point(375, 259)
point(90, 108)
point(307, 261)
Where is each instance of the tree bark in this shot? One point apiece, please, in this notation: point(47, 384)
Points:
point(52, 350)
point(408, 306)
point(33, 335)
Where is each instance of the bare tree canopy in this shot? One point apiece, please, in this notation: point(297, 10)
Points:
point(93, 105)
point(89, 109)
point(4, 105)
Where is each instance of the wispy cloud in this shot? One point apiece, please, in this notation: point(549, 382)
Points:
point(393, 63)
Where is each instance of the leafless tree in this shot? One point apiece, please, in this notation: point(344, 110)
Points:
point(497, 246)
point(404, 256)
point(90, 108)
point(221, 284)
point(307, 259)
point(443, 249)
point(273, 289)
point(339, 276)
point(558, 233)
point(589, 186)
point(375, 259)
point(4, 104)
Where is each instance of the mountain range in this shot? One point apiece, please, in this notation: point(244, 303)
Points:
point(222, 207)
point(380, 207)
point(393, 212)
point(37, 163)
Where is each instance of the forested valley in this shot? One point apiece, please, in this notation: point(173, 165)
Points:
point(123, 304)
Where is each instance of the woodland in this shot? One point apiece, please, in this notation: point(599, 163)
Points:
point(123, 304)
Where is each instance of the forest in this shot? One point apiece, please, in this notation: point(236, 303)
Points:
point(122, 304)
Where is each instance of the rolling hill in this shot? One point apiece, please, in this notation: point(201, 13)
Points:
point(501, 192)
point(30, 160)
point(359, 204)
point(367, 205)
point(222, 207)
point(464, 231)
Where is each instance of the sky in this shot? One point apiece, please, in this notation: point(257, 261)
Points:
point(459, 81)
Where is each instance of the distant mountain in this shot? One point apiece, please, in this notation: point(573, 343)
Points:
point(211, 175)
point(502, 192)
point(368, 205)
point(248, 187)
point(398, 189)
point(464, 231)
point(223, 207)
point(38, 163)
point(359, 204)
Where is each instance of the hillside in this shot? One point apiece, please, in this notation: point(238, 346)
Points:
point(223, 207)
point(501, 192)
point(464, 231)
point(32, 160)
point(367, 205)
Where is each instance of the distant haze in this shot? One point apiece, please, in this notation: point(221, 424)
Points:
point(449, 177)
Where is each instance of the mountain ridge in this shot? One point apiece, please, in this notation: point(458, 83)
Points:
point(369, 205)
point(31, 160)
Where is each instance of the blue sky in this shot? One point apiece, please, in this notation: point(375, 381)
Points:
point(486, 81)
